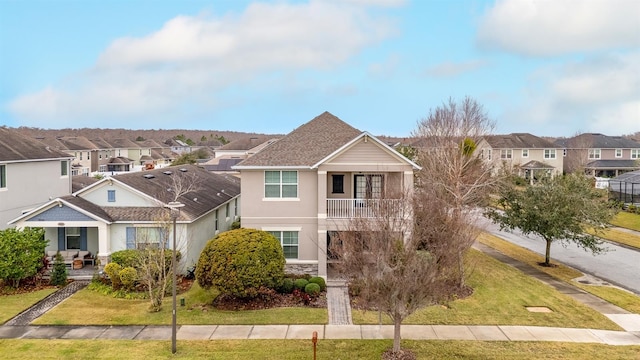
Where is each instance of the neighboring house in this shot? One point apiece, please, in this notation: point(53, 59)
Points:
point(31, 173)
point(244, 147)
point(125, 148)
point(130, 210)
point(77, 146)
point(600, 155)
point(155, 155)
point(178, 146)
point(102, 155)
point(526, 155)
point(309, 184)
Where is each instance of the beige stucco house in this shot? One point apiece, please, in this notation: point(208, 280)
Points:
point(130, 210)
point(526, 155)
point(310, 183)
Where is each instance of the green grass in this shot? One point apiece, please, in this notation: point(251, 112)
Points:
point(618, 236)
point(12, 305)
point(302, 349)
point(88, 307)
point(627, 220)
point(500, 296)
point(621, 298)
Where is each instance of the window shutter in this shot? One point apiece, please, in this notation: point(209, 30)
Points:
point(61, 242)
point(83, 238)
point(131, 238)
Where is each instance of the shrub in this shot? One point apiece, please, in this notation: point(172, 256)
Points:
point(312, 289)
point(237, 261)
point(302, 296)
point(286, 286)
point(126, 258)
point(236, 225)
point(128, 277)
point(320, 281)
point(59, 272)
point(21, 253)
point(113, 272)
point(300, 283)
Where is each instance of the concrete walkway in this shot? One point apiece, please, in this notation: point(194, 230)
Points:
point(241, 332)
point(338, 303)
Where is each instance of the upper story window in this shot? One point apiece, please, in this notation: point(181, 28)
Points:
point(64, 168)
point(525, 153)
point(3, 176)
point(337, 184)
point(88, 155)
point(80, 155)
point(111, 195)
point(594, 153)
point(618, 153)
point(505, 154)
point(635, 153)
point(281, 184)
point(488, 154)
point(564, 152)
point(549, 153)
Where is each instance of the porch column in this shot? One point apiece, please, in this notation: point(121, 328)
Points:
point(322, 253)
point(408, 182)
point(104, 244)
point(322, 224)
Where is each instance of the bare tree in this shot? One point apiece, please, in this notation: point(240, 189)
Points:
point(577, 156)
point(380, 255)
point(453, 175)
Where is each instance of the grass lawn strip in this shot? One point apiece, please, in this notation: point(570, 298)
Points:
point(87, 307)
point(618, 297)
point(12, 305)
point(619, 236)
point(302, 349)
point(500, 296)
point(627, 220)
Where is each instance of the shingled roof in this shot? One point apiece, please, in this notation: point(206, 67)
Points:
point(518, 141)
point(17, 147)
point(306, 145)
point(597, 141)
point(212, 190)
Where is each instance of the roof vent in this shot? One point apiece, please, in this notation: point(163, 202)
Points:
point(167, 172)
point(149, 176)
point(183, 169)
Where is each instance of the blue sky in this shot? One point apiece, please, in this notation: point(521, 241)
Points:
point(550, 68)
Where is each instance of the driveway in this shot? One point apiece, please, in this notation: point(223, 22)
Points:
point(618, 265)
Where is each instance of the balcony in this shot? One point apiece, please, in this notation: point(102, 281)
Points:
point(364, 208)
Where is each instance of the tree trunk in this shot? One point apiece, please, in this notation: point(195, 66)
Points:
point(396, 334)
point(547, 253)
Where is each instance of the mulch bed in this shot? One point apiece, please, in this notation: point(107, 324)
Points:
point(268, 299)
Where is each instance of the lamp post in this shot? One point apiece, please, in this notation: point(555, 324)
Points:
point(175, 211)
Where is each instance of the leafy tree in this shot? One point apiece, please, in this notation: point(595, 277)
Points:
point(203, 138)
point(559, 209)
point(21, 254)
point(239, 262)
point(140, 138)
point(59, 272)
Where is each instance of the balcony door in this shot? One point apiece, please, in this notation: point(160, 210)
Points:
point(368, 186)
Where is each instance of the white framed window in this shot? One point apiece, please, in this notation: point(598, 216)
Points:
point(525, 153)
point(111, 195)
point(549, 153)
point(618, 153)
point(289, 242)
point(64, 168)
point(635, 153)
point(506, 154)
point(226, 210)
point(280, 184)
point(594, 154)
point(564, 152)
point(488, 154)
point(3, 176)
point(143, 237)
point(72, 237)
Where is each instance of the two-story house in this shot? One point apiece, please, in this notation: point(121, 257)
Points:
point(310, 183)
point(130, 210)
point(31, 173)
point(600, 155)
point(526, 155)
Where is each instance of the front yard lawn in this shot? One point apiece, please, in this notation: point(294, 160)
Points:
point(500, 296)
point(12, 305)
point(88, 307)
point(627, 220)
point(302, 349)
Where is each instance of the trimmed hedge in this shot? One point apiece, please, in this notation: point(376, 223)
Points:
point(320, 281)
point(300, 283)
point(312, 289)
point(239, 262)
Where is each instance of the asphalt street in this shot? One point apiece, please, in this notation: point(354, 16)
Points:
point(618, 265)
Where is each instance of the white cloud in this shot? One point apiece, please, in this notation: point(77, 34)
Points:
point(594, 95)
point(544, 28)
point(451, 69)
point(200, 60)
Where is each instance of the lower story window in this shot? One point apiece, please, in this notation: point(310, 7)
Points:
point(289, 242)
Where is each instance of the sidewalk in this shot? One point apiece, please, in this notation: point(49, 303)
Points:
point(357, 332)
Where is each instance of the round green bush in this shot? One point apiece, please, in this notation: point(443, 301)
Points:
point(320, 281)
point(286, 286)
point(300, 283)
point(128, 277)
point(126, 258)
point(237, 262)
point(312, 289)
point(113, 272)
